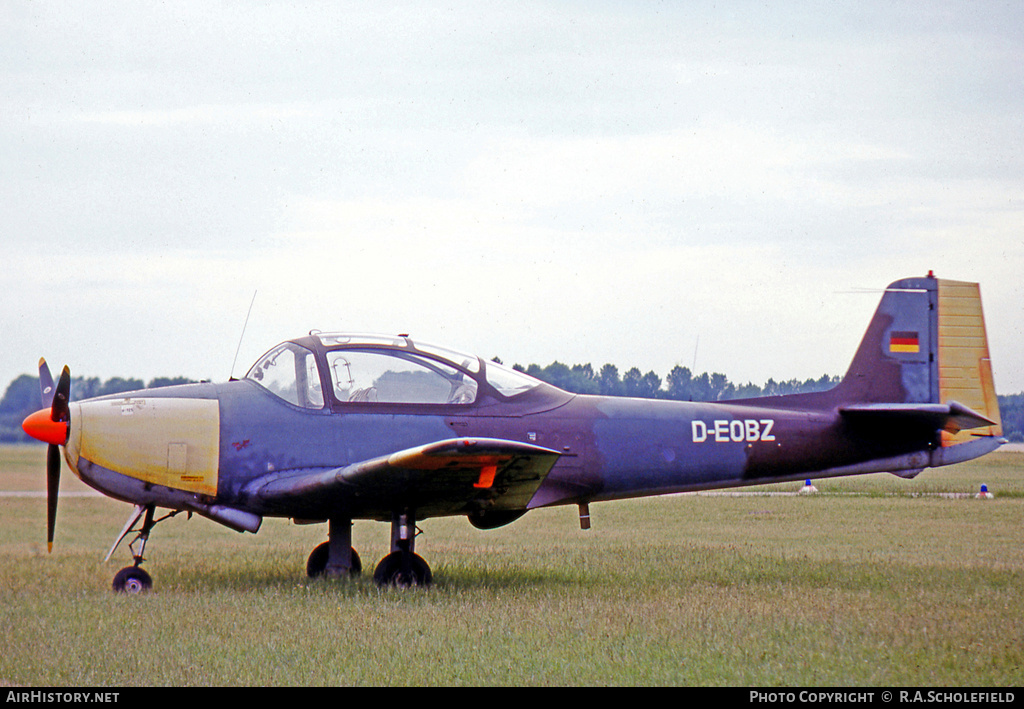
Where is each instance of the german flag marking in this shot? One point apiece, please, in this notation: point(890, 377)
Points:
point(904, 342)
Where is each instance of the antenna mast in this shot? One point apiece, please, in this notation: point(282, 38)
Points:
point(244, 325)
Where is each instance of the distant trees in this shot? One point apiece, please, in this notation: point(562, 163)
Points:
point(680, 384)
point(20, 399)
point(86, 388)
point(1011, 410)
point(581, 379)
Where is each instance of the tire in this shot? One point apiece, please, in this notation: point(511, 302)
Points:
point(132, 580)
point(316, 564)
point(403, 569)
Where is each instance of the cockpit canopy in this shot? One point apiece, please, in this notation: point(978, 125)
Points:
point(369, 369)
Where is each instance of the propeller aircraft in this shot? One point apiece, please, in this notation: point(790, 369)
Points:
point(330, 428)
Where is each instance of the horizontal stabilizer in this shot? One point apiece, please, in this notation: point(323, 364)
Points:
point(951, 417)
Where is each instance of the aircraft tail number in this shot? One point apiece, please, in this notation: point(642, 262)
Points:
point(732, 431)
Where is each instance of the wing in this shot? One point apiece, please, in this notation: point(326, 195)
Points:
point(455, 476)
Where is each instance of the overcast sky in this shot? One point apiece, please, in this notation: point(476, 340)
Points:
point(726, 186)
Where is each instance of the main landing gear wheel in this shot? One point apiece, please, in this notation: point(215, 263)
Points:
point(403, 569)
point(316, 565)
point(132, 580)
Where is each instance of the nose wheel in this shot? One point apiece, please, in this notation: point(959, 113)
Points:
point(133, 579)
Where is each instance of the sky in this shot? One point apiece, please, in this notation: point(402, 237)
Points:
point(723, 186)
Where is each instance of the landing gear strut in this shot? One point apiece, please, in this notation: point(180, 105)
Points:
point(336, 558)
point(132, 579)
point(402, 567)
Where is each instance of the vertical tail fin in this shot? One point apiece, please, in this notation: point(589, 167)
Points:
point(925, 356)
point(897, 361)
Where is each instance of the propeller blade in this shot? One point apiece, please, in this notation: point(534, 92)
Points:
point(59, 410)
point(45, 383)
point(51, 425)
point(52, 484)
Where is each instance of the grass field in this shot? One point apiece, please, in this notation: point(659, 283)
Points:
point(875, 581)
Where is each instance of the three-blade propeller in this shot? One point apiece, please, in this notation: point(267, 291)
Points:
point(51, 425)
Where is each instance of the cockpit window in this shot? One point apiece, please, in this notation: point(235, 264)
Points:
point(466, 361)
point(289, 371)
point(509, 382)
point(397, 377)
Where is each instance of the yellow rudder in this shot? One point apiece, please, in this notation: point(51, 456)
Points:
point(965, 368)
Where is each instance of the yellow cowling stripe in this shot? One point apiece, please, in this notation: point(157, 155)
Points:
point(164, 441)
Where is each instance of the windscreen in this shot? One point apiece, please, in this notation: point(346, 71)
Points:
point(289, 372)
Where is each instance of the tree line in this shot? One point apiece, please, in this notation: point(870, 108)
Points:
point(680, 384)
point(22, 395)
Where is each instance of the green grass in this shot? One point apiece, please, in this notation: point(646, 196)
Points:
point(861, 584)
